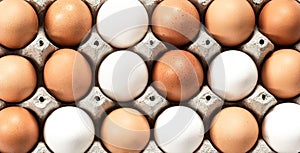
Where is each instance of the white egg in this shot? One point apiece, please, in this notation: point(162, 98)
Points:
point(232, 75)
point(123, 75)
point(122, 23)
point(281, 128)
point(69, 130)
point(179, 129)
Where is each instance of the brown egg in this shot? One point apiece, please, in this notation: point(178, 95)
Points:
point(279, 20)
point(125, 130)
point(281, 73)
point(67, 22)
point(19, 130)
point(17, 78)
point(176, 21)
point(67, 75)
point(178, 75)
point(230, 22)
point(18, 23)
point(234, 130)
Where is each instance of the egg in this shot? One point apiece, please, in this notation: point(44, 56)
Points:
point(175, 21)
point(123, 75)
point(179, 129)
point(69, 130)
point(230, 22)
point(19, 130)
point(122, 23)
point(279, 20)
point(234, 130)
point(68, 22)
point(177, 75)
point(232, 75)
point(17, 78)
point(18, 23)
point(67, 75)
point(280, 128)
point(280, 73)
point(125, 130)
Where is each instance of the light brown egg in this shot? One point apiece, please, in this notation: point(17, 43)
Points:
point(279, 20)
point(176, 21)
point(230, 22)
point(67, 75)
point(281, 73)
point(234, 130)
point(19, 130)
point(178, 75)
point(67, 22)
point(18, 23)
point(125, 130)
point(17, 78)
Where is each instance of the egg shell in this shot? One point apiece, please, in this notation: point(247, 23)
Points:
point(18, 23)
point(178, 75)
point(68, 22)
point(281, 73)
point(67, 75)
point(125, 130)
point(280, 128)
point(234, 130)
point(122, 23)
point(69, 130)
point(230, 22)
point(123, 75)
point(232, 75)
point(179, 129)
point(17, 78)
point(19, 130)
point(175, 21)
point(271, 21)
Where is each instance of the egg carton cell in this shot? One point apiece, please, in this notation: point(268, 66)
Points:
point(152, 148)
point(39, 48)
point(96, 103)
point(42, 103)
point(96, 148)
point(41, 148)
point(259, 102)
point(205, 102)
point(258, 47)
point(207, 147)
point(151, 102)
point(261, 147)
point(149, 48)
point(205, 46)
point(95, 48)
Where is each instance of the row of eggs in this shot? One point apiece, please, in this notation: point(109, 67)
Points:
point(177, 129)
point(124, 23)
point(177, 75)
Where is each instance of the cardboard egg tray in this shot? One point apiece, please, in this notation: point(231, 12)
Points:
point(206, 103)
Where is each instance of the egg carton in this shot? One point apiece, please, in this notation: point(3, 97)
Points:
point(206, 103)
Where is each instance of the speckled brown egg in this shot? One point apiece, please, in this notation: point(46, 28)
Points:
point(176, 21)
point(279, 20)
point(234, 130)
point(230, 22)
point(281, 73)
point(125, 130)
point(18, 23)
point(17, 78)
point(67, 22)
point(178, 75)
point(19, 130)
point(67, 75)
